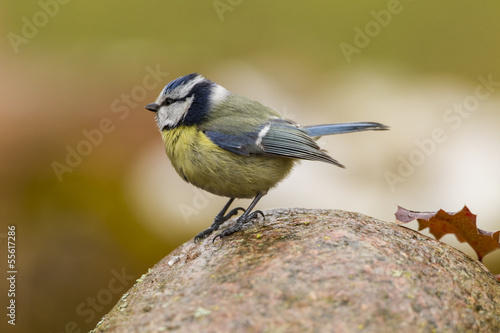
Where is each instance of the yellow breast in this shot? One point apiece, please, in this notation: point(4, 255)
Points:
point(204, 164)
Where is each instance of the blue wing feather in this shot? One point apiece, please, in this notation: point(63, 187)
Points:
point(283, 138)
point(238, 144)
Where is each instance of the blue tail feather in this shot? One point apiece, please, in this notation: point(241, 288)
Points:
point(319, 130)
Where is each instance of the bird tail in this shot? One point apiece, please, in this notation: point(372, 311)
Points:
point(319, 130)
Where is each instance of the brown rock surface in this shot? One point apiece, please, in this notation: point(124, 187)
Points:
point(312, 271)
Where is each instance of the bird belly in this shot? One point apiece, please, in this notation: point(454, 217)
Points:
point(204, 164)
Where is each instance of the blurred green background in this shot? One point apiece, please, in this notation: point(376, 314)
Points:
point(84, 176)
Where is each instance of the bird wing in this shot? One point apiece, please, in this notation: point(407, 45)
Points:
point(275, 137)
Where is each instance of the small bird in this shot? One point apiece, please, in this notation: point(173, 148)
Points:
point(232, 146)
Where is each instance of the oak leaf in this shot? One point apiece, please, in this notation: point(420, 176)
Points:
point(462, 224)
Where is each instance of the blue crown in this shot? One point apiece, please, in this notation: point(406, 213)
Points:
point(179, 81)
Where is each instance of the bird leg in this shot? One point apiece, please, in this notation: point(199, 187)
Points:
point(218, 220)
point(247, 216)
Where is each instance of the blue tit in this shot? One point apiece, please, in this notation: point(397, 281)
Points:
point(232, 146)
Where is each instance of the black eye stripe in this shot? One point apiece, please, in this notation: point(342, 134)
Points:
point(168, 101)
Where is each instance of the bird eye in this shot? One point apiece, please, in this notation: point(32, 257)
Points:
point(168, 101)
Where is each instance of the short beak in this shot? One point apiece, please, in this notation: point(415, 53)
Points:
point(152, 107)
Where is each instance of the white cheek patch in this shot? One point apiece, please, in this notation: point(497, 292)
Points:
point(172, 115)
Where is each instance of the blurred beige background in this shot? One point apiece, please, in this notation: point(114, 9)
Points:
point(93, 196)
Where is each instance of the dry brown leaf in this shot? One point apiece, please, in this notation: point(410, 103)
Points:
point(462, 224)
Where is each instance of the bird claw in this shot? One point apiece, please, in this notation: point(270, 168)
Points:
point(198, 238)
point(255, 213)
point(228, 231)
point(231, 213)
point(242, 220)
point(219, 219)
